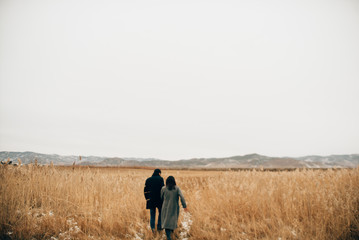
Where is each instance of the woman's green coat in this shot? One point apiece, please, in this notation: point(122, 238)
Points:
point(170, 207)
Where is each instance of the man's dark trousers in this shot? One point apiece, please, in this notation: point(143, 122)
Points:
point(153, 218)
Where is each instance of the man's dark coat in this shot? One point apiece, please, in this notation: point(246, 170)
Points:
point(152, 191)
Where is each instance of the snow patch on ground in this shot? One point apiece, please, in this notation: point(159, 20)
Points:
point(186, 226)
point(183, 230)
point(73, 229)
point(138, 236)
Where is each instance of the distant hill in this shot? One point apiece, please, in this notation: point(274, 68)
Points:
point(246, 161)
point(28, 157)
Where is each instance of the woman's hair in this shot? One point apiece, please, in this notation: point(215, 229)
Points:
point(170, 182)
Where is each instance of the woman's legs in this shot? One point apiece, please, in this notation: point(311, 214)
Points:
point(168, 233)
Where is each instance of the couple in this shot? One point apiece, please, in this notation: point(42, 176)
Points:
point(165, 199)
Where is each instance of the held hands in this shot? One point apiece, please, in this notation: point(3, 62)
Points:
point(186, 209)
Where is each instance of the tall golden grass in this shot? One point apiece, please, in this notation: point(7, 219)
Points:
point(107, 203)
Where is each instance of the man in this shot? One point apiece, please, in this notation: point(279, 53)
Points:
point(152, 192)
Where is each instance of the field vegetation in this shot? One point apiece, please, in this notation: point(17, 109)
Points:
point(50, 202)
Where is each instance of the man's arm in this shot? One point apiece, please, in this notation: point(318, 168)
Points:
point(146, 190)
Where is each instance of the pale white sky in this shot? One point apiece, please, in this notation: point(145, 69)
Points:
point(179, 79)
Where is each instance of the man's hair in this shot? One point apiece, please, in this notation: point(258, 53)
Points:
point(156, 172)
point(170, 182)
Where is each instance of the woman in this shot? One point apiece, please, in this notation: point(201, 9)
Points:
point(170, 206)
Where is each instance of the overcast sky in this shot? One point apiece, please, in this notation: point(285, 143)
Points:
point(179, 79)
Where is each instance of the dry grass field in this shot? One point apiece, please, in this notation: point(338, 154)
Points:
point(108, 203)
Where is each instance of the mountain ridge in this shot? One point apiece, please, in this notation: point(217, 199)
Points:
point(253, 160)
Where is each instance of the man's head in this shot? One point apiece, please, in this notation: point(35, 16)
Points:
point(157, 172)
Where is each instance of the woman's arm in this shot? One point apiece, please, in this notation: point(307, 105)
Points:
point(162, 192)
point(183, 201)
